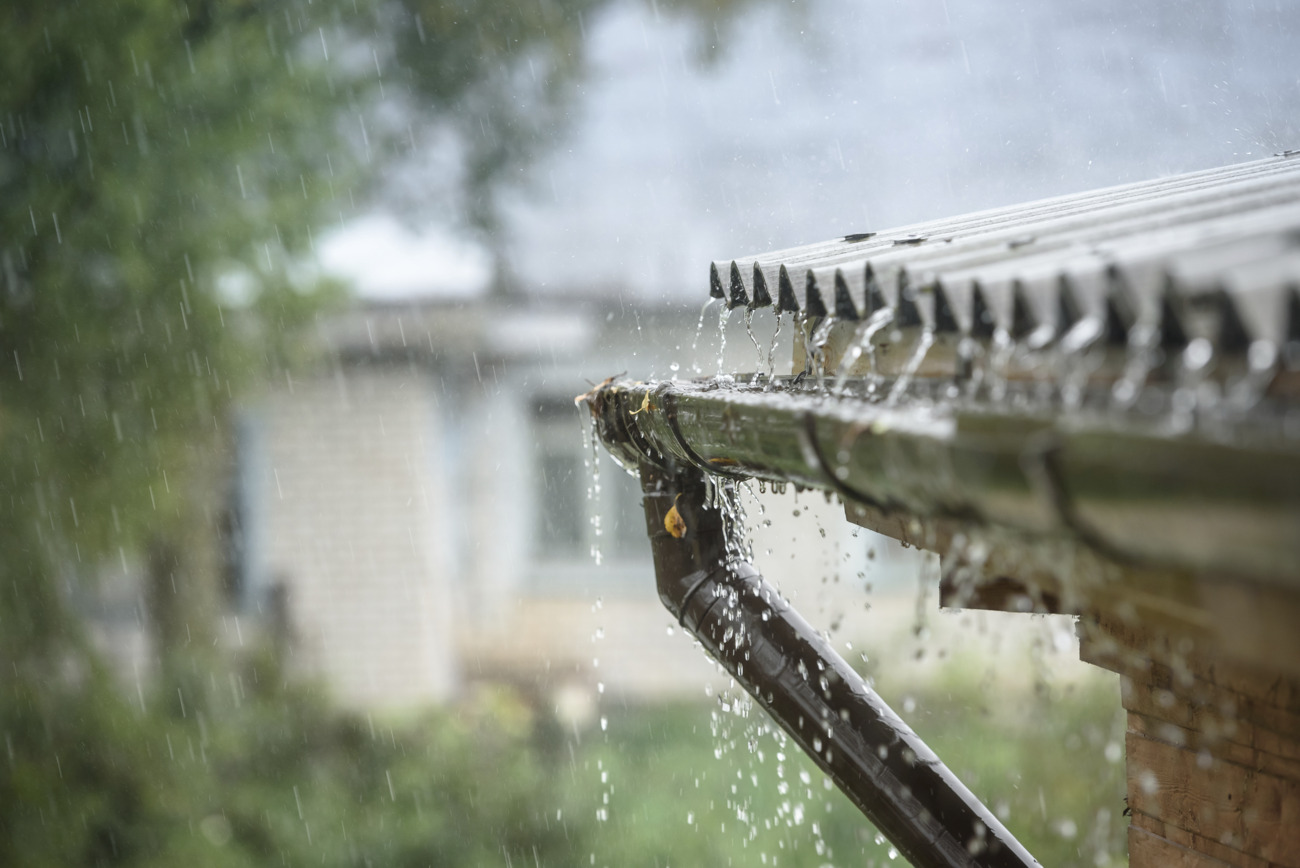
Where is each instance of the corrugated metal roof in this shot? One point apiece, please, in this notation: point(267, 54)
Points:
point(1212, 254)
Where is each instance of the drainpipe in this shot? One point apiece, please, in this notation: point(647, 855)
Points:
point(826, 707)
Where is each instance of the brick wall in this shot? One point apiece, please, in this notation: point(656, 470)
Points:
point(1213, 752)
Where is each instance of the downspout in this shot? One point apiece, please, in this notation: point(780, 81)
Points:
point(826, 707)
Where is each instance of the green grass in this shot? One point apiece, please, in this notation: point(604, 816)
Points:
point(280, 778)
point(691, 785)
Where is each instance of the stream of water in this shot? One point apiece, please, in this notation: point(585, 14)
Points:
point(862, 343)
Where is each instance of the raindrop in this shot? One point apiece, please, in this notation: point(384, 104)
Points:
point(1198, 354)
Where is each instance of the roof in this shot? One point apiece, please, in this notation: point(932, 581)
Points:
point(1212, 254)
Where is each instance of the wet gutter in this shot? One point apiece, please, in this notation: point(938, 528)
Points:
point(1229, 505)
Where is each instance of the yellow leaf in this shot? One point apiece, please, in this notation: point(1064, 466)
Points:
point(674, 523)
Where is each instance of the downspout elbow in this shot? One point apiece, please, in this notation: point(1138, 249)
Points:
point(820, 701)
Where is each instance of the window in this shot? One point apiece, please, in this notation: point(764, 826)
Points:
point(560, 511)
point(572, 518)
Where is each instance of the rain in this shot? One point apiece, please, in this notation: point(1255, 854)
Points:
point(339, 340)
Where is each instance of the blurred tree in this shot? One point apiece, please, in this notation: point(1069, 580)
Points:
point(162, 167)
point(493, 80)
point(491, 86)
point(149, 150)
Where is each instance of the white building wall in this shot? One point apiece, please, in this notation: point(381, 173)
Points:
point(494, 475)
point(350, 500)
point(400, 504)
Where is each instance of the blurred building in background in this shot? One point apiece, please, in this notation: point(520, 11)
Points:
point(421, 509)
point(424, 505)
point(425, 508)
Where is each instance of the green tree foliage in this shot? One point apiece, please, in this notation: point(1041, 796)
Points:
point(495, 78)
point(496, 81)
point(269, 775)
point(164, 163)
point(149, 148)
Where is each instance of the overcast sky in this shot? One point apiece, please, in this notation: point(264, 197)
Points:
point(840, 117)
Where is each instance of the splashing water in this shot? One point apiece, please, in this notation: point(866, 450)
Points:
point(801, 321)
point(699, 330)
point(913, 365)
point(771, 351)
point(602, 812)
point(733, 513)
point(749, 329)
point(1194, 392)
point(862, 343)
point(817, 349)
point(606, 789)
point(1261, 359)
point(1079, 355)
point(754, 756)
point(1142, 347)
point(591, 443)
point(997, 362)
point(723, 316)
